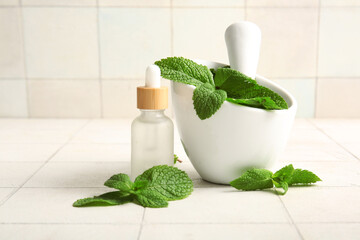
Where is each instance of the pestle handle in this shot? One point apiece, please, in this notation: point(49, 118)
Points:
point(243, 44)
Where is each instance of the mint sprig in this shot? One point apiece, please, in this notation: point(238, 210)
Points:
point(154, 188)
point(213, 87)
point(257, 179)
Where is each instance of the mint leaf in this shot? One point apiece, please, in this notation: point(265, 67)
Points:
point(107, 199)
point(151, 199)
point(303, 177)
point(207, 100)
point(283, 185)
point(254, 179)
point(258, 102)
point(140, 185)
point(284, 174)
point(170, 182)
point(175, 158)
point(183, 70)
point(120, 181)
point(240, 86)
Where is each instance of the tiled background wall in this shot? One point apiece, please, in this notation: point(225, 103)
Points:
point(84, 58)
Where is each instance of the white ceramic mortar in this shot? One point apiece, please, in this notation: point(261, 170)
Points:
point(235, 137)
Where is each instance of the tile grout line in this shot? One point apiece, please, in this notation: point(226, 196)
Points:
point(42, 165)
point(141, 225)
point(332, 139)
point(99, 59)
point(292, 220)
point(317, 60)
point(23, 48)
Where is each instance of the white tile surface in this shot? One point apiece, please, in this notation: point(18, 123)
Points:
point(14, 174)
point(27, 152)
point(4, 193)
point(59, 3)
point(38, 130)
point(282, 3)
point(199, 33)
point(330, 231)
point(288, 46)
point(337, 97)
point(9, 2)
point(131, 39)
point(323, 204)
point(338, 53)
point(304, 92)
point(76, 174)
point(11, 51)
point(340, 3)
point(219, 231)
point(119, 98)
point(13, 98)
point(64, 98)
point(54, 205)
point(134, 3)
point(208, 3)
point(308, 136)
point(61, 42)
point(221, 205)
point(105, 131)
point(92, 152)
point(66, 231)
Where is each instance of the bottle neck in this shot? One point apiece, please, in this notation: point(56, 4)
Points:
point(152, 113)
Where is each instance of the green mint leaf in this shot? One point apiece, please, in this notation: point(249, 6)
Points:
point(169, 182)
point(300, 176)
point(120, 181)
point(152, 199)
point(183, 70)
point(240, 86)
point(258, 102)
point(140, 185)
point(207, 100)
point(175, 158)
point(284, 174)
point(107, 199)
point(253, 179)
point(283, 185)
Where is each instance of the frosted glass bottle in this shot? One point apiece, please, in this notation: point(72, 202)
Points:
point(152, 141)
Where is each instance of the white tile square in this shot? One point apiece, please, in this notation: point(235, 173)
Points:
point(340, 3)
point(354, 148)
point(64, 98)
point(11, 47)
point(54, 205)
point(337, 97)
point(131, 39)
point(105, 131)
point(338, 53)
point(282, 3)
point(208, 3)
point(304, 92)
point(47, 131)
point(27, 152)
point(9, 2)
point(330, 231)
point(58, 174)
point(66, 231)
point(92, 152)
point(134, 3)
point(221, 205)
point(13, 98)
point(288, 47)
point(323, 204)
point(47, 3)
point(4, 193)
point(119, 98)
point(199, 32)
point(61, 42)
point(218, 231)
point(308, 136)
point(14, 174)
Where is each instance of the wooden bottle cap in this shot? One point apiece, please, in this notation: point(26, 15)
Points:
point(152, 98)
